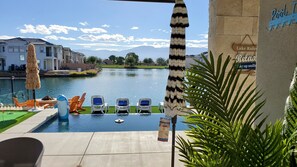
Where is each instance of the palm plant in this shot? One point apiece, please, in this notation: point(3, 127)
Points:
point(226, 126)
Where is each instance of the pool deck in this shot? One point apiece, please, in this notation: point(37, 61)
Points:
point(93, 149)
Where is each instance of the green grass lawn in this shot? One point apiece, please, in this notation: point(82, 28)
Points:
point(155, 109)
point(9, 119)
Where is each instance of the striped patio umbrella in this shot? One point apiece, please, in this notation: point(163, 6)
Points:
point(32, 72)
point(174, 102)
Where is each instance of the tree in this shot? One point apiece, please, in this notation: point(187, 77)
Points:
point(161, 62)
point(112, 58)
point(130, 61)
point(148, 61)
point(99, 61)
point(224, 129)
point(135, 56)
point(92, 60)
point(120, 60)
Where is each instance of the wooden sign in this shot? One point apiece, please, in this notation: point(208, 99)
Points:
point(243, 47)
point(245, 54)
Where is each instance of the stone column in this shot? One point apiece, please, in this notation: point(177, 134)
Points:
point(229, 22)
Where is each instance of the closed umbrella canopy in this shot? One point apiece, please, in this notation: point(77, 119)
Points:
point(174, 102)
point(32, 71)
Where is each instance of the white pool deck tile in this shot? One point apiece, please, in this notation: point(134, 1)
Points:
point(88, 149)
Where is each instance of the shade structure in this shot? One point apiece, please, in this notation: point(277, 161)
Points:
point(174, 101)
point(32, 71)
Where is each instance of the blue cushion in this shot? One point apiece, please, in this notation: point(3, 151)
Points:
point(122, 103)
point(97, 101)
point(145, 103)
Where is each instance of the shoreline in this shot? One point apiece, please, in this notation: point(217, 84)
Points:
point(57, 73)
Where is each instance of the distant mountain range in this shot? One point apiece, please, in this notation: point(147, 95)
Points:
point(141, 51)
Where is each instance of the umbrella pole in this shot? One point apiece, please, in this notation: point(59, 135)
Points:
point(173, 120)
point(34, 98)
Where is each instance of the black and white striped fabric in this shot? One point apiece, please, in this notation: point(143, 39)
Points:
point(174, 101)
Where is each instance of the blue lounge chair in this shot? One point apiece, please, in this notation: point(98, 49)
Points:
point(98, 105)
point(144, 105)
point(122, 106)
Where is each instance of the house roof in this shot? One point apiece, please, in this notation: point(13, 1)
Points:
point(35, 41)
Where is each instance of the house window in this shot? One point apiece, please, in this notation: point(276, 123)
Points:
point(22, 57)
point(22, 49)
point(16, 49)
point(41, 49)
point(44, 65)
point(10, 49)
point(3, 48)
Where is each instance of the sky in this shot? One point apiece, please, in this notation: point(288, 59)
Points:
point(101, 24)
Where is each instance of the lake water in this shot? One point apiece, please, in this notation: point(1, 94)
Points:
point(111, 83)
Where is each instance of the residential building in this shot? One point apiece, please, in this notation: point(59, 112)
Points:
point(14, 52)
point(70, 56)
point(78, 57)
point(67, 57)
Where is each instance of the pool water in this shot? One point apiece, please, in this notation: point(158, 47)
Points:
point(107, 123)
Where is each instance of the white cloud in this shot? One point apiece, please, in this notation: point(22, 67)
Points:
point(39, 29)
point(205, 36)
point(93, 30)
point(42, 29)
point(6, 37)
point(84, 23)
point(105, 26)
point(54, 37)
point(28, 29)
point(195, 45)
point(134, 28)
point(107, 38)
point(198, 41)
point(61, 29)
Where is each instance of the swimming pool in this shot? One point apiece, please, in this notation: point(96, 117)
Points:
point(106, 123)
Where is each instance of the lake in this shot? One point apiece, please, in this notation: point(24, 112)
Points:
point(111, 83)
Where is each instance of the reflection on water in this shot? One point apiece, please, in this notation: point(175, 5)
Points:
point(111, 83)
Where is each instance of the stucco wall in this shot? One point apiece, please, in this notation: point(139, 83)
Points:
point(277, 57)
point(229, 22)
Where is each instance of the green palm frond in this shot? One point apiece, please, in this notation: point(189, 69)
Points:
point(290, 124)
point(222, 124)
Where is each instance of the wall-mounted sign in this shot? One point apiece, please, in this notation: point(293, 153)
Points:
point(282, 17)
point(244, 47)
point(245, 54)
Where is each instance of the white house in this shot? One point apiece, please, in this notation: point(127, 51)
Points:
point(13, 54)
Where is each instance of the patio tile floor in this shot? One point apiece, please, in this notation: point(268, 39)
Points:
point(88, 149)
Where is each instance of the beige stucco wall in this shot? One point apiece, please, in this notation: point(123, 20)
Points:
point(277, 57)
point(229, 22)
